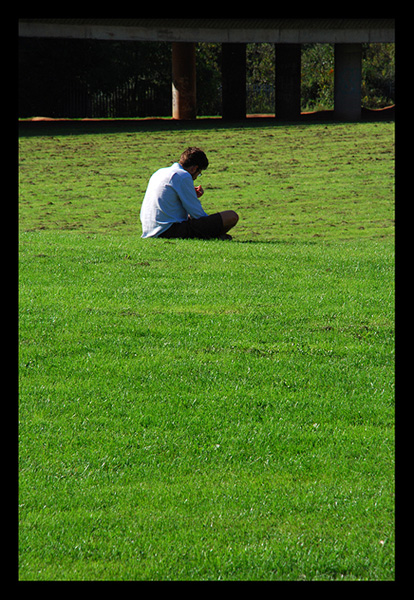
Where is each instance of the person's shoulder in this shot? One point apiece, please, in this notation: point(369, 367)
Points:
point(178, 173)
point(177, 168)
point(165, 173)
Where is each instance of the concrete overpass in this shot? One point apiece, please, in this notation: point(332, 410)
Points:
point(347, 35)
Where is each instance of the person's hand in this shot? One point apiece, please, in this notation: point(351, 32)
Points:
point(199, 191)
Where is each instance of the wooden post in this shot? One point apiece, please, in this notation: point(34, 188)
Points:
point(184, 80)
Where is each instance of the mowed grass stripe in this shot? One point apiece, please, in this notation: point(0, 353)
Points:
point(205, 410)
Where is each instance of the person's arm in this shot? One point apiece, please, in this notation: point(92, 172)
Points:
point(188, 196)
point(199, 191)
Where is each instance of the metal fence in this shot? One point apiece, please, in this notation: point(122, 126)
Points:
point(130, 100)
point(124, 101)
point(77, 101)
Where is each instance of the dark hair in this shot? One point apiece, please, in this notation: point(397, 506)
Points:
point(194, 157)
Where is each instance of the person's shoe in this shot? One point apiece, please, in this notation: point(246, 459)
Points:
point(225, 236)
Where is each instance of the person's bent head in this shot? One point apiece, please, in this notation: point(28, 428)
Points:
point(194, 157)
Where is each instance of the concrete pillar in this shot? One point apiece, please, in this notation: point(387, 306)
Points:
point(233, 73)
point(347, 80)
point(184, 80)
point(287, 81)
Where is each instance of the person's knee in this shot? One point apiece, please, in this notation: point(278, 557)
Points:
point(230, 218)
point(234, 216)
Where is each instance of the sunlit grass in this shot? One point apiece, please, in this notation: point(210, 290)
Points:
point(208, 410)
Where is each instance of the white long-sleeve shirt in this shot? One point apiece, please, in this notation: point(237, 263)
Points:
point(170, 198)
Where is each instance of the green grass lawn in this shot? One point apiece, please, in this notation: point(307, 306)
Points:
point(206, 410)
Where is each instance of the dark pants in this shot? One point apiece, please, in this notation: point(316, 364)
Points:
point(204, 228)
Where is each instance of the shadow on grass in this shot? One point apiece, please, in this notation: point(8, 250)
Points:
point(28, 128)
point(277, 242)
point(237, 242)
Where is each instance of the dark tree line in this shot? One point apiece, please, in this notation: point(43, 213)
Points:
point(60, 77)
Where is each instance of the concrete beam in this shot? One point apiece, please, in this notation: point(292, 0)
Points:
point(278, 35)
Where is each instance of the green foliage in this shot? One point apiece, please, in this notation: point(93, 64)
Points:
point(317, 84)
point(317, 77)
point(378, 75)
point(208, 65)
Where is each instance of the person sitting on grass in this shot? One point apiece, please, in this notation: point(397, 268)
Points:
point(171, 207)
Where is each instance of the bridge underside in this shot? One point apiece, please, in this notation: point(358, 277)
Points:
point(347, 35)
